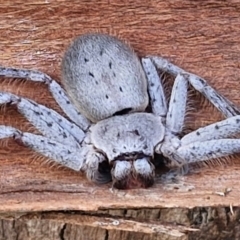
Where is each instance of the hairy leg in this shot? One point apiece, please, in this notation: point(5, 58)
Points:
point(83, 158)
point(225, 106)
point(207, 143)
point(155, 88)
point(61, 153)
point(47, 121)
point(177, 105)
point(57, 91)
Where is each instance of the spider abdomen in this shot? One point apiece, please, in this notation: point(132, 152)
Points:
point(104, 77)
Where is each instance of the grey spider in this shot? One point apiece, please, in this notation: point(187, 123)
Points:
point(107, 91)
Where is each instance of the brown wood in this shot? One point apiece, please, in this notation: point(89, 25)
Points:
point(200, 36)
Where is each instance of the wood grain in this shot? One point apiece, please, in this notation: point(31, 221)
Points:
point(200, 36)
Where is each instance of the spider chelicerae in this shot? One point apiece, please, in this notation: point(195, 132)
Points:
point(108, 89)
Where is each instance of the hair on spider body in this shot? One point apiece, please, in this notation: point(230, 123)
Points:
point(109, 135)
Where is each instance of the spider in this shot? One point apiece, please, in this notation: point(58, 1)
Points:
point(108, 135)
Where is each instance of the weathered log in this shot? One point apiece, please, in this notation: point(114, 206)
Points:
point(39, 202)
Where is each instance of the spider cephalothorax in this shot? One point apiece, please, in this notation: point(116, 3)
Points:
point(107, 91)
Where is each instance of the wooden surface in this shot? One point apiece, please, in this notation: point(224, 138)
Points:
point(200, 36)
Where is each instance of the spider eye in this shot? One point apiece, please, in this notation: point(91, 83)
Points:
point(123, 111)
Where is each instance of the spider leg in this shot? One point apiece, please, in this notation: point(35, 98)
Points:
point(63, 154)
point(213, 141)
point(175, 122)
point(207, 150)
point(83, 158)
point(57, 91)
point(96, 167)
point(177, 105)
point(223, 129)
point(67, 152)
point(47, 121)
point(175, 114)
point(225, 106)
point(155, 88)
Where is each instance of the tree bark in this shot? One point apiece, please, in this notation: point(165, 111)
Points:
point(38, 201)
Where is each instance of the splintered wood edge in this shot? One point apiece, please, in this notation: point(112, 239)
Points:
point(150, 227)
